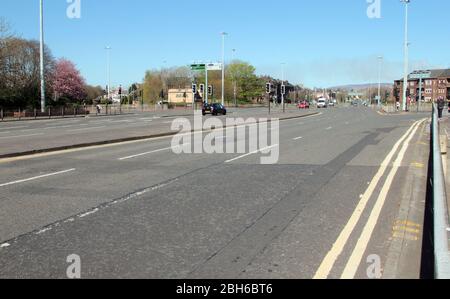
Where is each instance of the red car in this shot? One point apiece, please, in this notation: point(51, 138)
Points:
point(303, 105)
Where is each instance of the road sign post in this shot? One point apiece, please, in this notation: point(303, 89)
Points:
point(194, 92)
point(268, 92)
point(420, 75)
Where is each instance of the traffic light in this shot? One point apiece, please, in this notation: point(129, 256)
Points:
point(210, 90)
point(202, 89)
point(194, 88)
point(120, 90)
point(283, 89)
point(268, 88)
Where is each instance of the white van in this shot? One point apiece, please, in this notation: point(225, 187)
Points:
point(322, 103)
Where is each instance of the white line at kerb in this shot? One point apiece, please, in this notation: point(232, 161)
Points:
point(355, 259)
point(252, 153)
point(19, 136)
point(37, 177)
point(334, 253)
point(152, 152)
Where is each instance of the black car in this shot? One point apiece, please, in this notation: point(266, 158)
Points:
point(214, 109)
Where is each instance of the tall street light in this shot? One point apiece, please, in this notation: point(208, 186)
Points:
point(380, 61)
point(234, 79)
point(223, 66)
point(108, 69)
point(282, 84)
point(406, 45)
point(41, 10)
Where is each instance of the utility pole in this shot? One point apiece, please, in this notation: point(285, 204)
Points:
point(42, 56)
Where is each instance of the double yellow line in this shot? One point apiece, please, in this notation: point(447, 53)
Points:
point(355, 259)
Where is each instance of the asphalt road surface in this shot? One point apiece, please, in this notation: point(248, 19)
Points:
point(138, 210)
point(35, 135)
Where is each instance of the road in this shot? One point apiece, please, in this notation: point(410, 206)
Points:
point(138, 210)
point(36, 135)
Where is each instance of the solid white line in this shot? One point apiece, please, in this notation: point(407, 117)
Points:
point(252, 153)
point(355, 259)
point(18, 136)
point(298, 138)
point(84, 129)
point(37, 177)
point(337, 248)
point(151, 152)
point(9, 128)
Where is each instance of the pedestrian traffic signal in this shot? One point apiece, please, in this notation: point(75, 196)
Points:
point(268, 88)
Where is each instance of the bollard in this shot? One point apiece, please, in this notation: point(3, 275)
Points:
point(1, 113)
point(62, 111)
point(20, 113)
point(35, 113)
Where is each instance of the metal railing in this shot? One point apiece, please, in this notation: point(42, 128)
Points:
point(441, 233)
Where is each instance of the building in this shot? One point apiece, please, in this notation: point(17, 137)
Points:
point(435, 84)
point(181, 96)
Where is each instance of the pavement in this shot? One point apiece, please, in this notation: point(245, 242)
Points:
point(333, 206)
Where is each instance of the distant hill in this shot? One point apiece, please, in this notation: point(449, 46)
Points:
point(357, 87)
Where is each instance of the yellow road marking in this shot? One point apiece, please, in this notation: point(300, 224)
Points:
point(361, 246)
point(418, 165)
point(328, 262)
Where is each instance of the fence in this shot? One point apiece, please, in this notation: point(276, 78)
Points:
point(10, 114)
point(423, 107)
point(441, 224)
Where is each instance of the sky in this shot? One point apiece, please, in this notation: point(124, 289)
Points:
point(318, 43)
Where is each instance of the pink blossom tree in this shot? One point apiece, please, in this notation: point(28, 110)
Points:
point(68, 84)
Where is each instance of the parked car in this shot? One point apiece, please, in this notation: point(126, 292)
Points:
point(322, 103)
point(214, 109)
point(303, 105)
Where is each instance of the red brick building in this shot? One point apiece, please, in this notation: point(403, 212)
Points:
point(435, 85)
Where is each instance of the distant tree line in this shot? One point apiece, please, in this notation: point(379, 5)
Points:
point(239, 76)
point(20, 75)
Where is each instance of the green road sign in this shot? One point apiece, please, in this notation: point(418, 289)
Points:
point(198, 67)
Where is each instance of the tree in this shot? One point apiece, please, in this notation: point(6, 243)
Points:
point(68, 84)
point(19, 72)
point(249, 85)
point(93, 93)
point(153, 84)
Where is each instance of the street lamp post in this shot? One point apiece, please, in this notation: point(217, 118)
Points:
point(282, 84)
point(406, 45)
point(223, 66)
point(380, 60)
point(234, 83)
point(41, 13)
point(108, 70)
